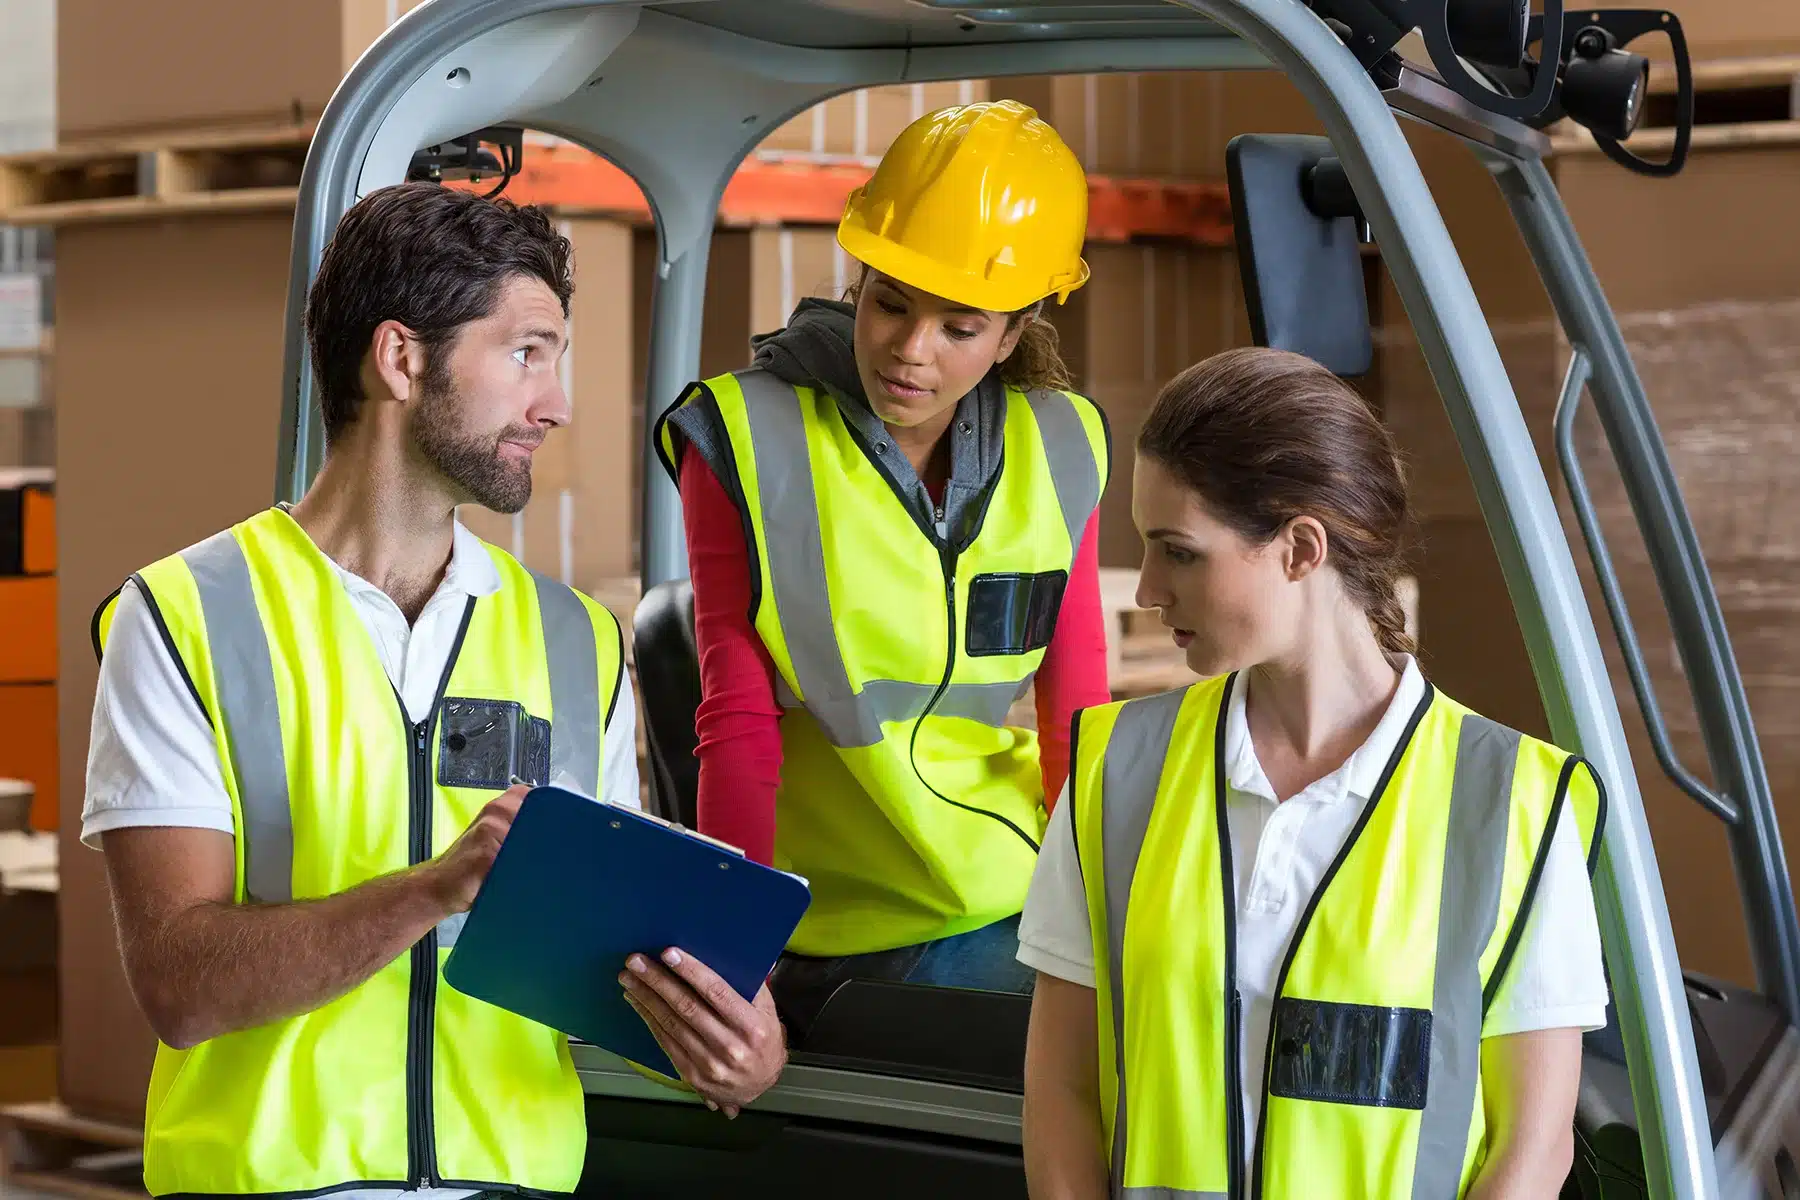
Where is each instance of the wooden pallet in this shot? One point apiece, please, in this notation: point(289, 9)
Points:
point(234, 169)
point(46, 1148)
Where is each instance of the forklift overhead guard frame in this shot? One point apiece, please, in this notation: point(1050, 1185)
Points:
point(725, 73)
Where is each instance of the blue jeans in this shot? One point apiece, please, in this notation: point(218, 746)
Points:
point(984, 958)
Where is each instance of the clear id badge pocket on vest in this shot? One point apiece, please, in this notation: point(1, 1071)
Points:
point(1350, 1053)
point(1012, 613)
point(490, 743)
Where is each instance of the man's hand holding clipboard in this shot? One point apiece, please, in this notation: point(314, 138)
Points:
point(727, 1050)
point(649, 940)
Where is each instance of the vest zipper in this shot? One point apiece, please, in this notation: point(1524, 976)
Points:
point(1312, 904)
point(1235, 1185)
point(1234, 1087)
point(421, 1006)
point(421, 1021)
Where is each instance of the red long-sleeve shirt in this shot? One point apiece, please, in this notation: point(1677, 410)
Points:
point(738, 726)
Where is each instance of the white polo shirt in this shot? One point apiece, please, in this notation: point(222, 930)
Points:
point(1556, 979)
point(151, 755)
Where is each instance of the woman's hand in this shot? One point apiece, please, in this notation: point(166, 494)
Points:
point(728, 1051)
point(1528, 1085)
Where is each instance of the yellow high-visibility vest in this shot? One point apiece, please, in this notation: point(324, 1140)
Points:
point(907, 798)
point(402, 1082)
point(1373, 1077)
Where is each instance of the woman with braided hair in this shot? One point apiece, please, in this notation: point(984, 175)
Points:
point(1308, 927)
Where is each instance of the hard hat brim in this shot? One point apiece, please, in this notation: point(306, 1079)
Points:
point(960, 287)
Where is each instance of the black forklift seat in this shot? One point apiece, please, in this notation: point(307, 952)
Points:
point(668, 681)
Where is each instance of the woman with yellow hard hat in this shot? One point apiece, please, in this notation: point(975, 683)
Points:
point(890, 530)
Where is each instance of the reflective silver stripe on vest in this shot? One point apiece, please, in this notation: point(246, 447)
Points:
point(1133, 769)
point(245, 678)
point(857, 722)
point(1474, 861)
point(1071, 457)
point(573, 656)
point(796, 554)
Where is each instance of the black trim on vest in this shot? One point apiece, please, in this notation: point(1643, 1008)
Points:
point(421, 1000)
point(1069, 786)
point(168, 638)
point(613, 704)
point(94, 622)
point(1517, 932)
point(1234, 998)
point(672, 466)
point(337, 1189)
point(1593, 856)
point(1312, 904)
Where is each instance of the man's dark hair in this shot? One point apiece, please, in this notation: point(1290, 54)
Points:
point(431, 257)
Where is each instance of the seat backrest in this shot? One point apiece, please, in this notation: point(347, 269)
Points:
point(668, 680)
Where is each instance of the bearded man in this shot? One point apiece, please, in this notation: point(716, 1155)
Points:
point(307, 741)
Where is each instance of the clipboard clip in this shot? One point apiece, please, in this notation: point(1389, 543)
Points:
point(647, 816)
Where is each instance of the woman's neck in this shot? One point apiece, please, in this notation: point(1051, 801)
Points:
point(921, 444)
point(1311, 709)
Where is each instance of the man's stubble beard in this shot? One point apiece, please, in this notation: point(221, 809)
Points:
point(473, 463)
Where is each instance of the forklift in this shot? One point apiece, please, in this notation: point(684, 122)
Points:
point(1693, 1089)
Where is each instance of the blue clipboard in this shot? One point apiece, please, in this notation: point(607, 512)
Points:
point(580, 885)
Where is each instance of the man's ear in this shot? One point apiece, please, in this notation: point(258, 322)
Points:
point(396, 360)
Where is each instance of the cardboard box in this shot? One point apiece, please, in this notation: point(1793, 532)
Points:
point(136, 306)
point(864, 123)
point(27, 629)
point(1164, 124)
point(1717, 29)
point(1147, 313)
point(28, 745)
point(137, 68)
point(27, 522)
point(27, 437)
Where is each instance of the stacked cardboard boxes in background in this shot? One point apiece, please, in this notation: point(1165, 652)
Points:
point(170, 338)
point(862, 124)
point(28, 647)
point(28, 786)
point(129, 68)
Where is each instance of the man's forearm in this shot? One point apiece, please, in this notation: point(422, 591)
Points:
point(212, 969)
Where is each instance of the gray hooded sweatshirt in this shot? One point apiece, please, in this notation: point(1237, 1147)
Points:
point(815, 350)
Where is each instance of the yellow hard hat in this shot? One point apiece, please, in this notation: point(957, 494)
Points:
point(981, 204)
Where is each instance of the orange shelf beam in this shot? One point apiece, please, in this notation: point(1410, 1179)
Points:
point(810, 193)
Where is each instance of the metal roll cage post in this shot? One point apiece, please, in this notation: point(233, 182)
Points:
point(551, 65)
